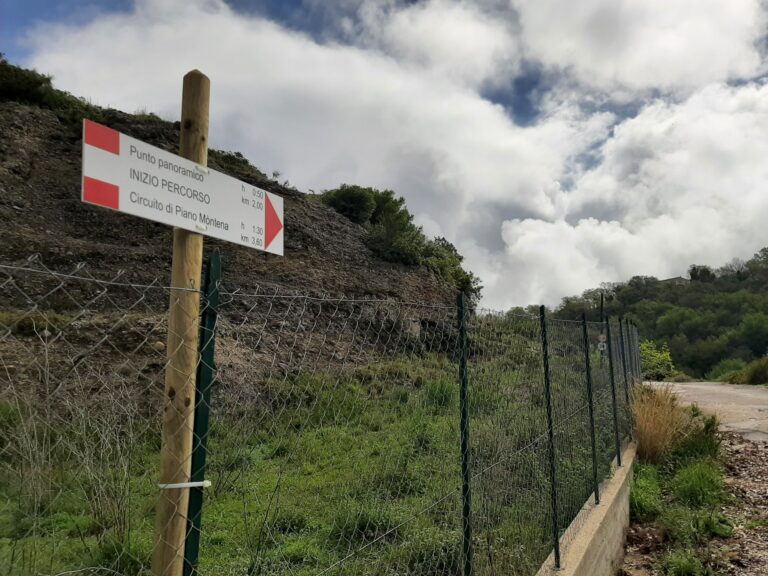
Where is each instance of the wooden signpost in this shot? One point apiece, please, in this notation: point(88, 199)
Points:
point(183, 331)
point(125, 174)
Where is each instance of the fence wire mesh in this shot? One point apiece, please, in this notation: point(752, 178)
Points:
point(335, 435)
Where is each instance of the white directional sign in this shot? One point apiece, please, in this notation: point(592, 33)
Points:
point(125, 174)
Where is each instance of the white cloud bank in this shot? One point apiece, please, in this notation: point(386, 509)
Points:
point(402, 107)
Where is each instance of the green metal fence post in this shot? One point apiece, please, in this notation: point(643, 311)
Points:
point(466, 464)
point(638, 364)
point(551, 436)
point(205, 374)
point(612, 371)
point(587, 365)
point(632, 351)
point(622, 344)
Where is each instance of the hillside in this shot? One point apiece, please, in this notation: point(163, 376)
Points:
point(40, 171)
point(714, 320)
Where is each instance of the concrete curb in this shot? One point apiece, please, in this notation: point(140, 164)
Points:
point(593, 545)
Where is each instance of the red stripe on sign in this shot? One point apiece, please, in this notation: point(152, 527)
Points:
point(101, 193)
point(102, 137)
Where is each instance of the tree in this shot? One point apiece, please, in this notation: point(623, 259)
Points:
point(354, 202)
point(699, 273)
point(754, 332)
point(656, 361)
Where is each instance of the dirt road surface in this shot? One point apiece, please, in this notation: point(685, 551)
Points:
point(740, 408)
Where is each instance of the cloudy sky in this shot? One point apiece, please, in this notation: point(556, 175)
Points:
point(558, 143)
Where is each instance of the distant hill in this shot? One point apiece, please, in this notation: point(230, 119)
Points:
point(41, 211)
point(713, 321)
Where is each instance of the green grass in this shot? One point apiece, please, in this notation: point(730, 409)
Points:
point(645, 503)
point(326, 464)
point(699, 484)
point(360, 466)
point(681, 495)
point(683, 563)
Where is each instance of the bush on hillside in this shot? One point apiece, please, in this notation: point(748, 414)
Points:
point(754, 332)
point(396, 239)
point(725, 369)
point(656, 361)
point(392, 235)
point(30, 87)
point(755, 372)
point(354, 202)
point(441, 257)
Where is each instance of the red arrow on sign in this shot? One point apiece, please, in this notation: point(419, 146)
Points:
point(272, 224)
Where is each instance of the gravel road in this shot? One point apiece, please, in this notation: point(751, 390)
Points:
point(740, 408)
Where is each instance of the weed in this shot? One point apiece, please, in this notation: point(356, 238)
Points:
point(431, 553)
point(645, 502)
point(34, 323)
point(441, 393)
point(358, 524)
point(122, 556)
point(684, 526)
point(398, 480)
point(702, 441)
point(682, 563)
point(301, 552)
point(289, 523)
point(699, 484)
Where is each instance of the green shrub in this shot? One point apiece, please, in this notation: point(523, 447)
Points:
point(392, 235)
point(756, 372)
point(442, 258)
point(698, 484)
point(682, 563)
point(396, 239)
point(645, 502)
point(656, 361)
point(684, 526)
point(354, 202)
point(725, 369)
point(30, 87)
point(713, 523)
point(679, 376)
point(702, 441)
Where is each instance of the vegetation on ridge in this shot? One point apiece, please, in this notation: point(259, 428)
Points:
point(392, 235)
point(714, 322)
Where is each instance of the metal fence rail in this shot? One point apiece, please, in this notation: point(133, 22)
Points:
point(339, 436)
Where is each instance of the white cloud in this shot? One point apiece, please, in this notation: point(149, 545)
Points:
point(681, 183)
point(454, 39)
point(643, 44)
point(402, 108)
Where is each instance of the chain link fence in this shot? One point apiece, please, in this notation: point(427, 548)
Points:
point(330, 436)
